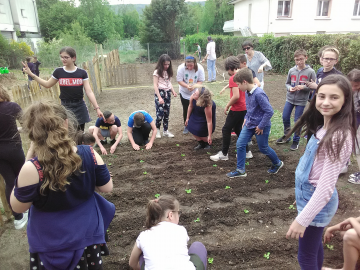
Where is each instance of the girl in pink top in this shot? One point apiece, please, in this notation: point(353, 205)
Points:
point(331, 130)
point(163, 89)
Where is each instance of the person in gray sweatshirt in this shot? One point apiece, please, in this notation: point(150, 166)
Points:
point(297, 94)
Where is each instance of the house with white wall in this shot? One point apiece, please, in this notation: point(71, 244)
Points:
point(20, 16)
point(295, 17)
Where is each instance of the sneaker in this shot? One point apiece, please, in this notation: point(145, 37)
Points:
point(248, 155)
point(168, 134)
point(219, 156)
point(207, 146)
point(354, 175)
point(236, 173)
point(282, 140)
point(19, 224)
point(186, 131)
point(275, 168)
point(158, 134)
point(233, 134)
point(112, 141)
point(198, 147)
point(355, 180)
point(294, 146)
point(103, 142)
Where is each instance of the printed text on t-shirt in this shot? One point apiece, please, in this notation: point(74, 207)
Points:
point(71, 82)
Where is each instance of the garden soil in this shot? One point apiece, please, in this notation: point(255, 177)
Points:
point(238, 225)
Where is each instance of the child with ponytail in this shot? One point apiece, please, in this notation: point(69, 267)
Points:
point(163, 245)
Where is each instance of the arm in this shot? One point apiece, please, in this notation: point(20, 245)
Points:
point(190, 108)
point(134, 258)
point(92, 98)
point(131, 139)
point(233, 100)
point(265, 63)
point(155, 81)
point(153, 136)
point(256, 81)
point(107, 187)
point(222, 90)
point(95, 134)
point(288, 82)
point(266, 107)
point(47, 84)
point(208, 114)
point(173, 91)
point(343, 226)
point(306, 87)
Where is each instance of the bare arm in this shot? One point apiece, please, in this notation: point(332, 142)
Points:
point(153, 136)
point(134, 258)
point(208, 114)
point(47, 84)
point(155, 81)
point(131, 139)
point(234, 98)
point(107, 187)
point(257, 82)
point(92, 98)
point(190, 108)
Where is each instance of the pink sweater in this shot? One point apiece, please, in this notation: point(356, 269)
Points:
point(323, 175)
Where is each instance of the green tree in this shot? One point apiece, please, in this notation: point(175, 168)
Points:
point(131, 20)
point(216, 12)
point(190, 18)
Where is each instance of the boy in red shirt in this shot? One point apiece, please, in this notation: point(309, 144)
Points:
point(235, 117)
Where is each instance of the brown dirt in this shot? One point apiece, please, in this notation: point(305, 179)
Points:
point(234, 239)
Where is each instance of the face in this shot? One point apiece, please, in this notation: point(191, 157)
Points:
point(242, 86)
point(300, 60)
point(111, 119)
point(231, 72)
point(355, 86)
point(329, 100)
point(190, 65)
point(328, 60)
point(66, 59)
point(174, 216)
point(166, 65)
point(248, 49)
point(242, 65)
point(196, 94)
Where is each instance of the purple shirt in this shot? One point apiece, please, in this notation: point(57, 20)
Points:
point(9, 112)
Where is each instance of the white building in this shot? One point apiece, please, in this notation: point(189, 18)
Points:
point(295, 17)
point(20, 16)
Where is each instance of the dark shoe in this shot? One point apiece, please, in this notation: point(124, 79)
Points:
point(198, 147)
point(207, 146)
point(236, 173)
point(282, 140)
point(103, 142)
point(294, 146)
point(213, 81)
point(275, 168)
point(112, 141)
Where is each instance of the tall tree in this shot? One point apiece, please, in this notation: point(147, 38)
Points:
point(216, 12)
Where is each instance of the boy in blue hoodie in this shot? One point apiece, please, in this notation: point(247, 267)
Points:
point(257, 122)
point(297, 94)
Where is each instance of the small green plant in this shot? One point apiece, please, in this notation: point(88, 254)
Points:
point(227, 187)
point(286, 150)
point(214, 165)
point(189, 170)
point(208, 153)
point(266, 181)
point(145, 172)
point(110, 164)
point(246, 163)
point(246, 211)
point(188, 191)
point(2, 210)
point(183, 155)
point(210, 260)
point(141, 161)
point(157, 195)
point(235, 150)
point(331, 247)
point(197, 220)
point(291, 206)
point(267, 255)
point(107, 230)
point(177, 144)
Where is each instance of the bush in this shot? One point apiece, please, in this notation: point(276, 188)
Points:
point(11, 54)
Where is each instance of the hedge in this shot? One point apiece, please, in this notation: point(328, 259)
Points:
point(280, 50)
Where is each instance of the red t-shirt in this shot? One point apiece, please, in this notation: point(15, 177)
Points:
point(240, 104)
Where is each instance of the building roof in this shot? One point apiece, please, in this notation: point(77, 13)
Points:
point(233, 2)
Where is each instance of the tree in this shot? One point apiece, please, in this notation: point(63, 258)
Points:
point(216, 12)
point(191, 18)
point(132, 22)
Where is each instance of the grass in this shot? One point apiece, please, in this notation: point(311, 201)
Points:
point(129, 57)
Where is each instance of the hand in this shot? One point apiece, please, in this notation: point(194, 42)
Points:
point(292, 89)
point(112, 149)
point(149, 145)
point(186, 122)
point(103, 150)
point(328, 235)
point(222, 91)
point(226, 109)
point(296, 230)
point(345, 225)
point(209, 140)
point(99, 113)
point(259, 131)
point(300, 87)
point(190, 88)
point(311, 84)
point(174, 94)
point(136, 147)
point(261, 69)
point(161, 101)
point(26, 69)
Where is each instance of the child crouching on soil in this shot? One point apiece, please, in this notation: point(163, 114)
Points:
point(164, 244)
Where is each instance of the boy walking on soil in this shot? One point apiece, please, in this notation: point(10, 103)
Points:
point(297, 94)
point(257, 121)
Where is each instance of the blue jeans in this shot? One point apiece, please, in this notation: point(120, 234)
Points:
point(211, 70)
point(262, 141)
point(286, 118)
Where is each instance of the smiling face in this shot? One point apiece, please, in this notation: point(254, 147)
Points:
point(190, 65)
point(329, 100)
point(196, 94)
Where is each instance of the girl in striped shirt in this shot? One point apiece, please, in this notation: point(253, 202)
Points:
point(163, 89)
point(330, 125)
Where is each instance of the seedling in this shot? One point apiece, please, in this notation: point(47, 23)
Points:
point(107, 231)
point(197, 220)
point(145, 173)
point(157, 195)
point(109, 164)
point(208, 153)
point(210, 260)
point(291, 206)
point(267, 255)
point(188, 191)
point(189, 170)
point(141, 161)
point(183, 155)
point(246, 163)
point(235, 150)
point(246, 211)
point(286, 150)
point(266, 181)
point(331, 247)
point(177, 144)
point(214, 165)
point(227, 187)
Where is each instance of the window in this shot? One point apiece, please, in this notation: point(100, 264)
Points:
point(23, 13)
point(356, 8)
point(2, 9)
point(323, 8)
point(284, 8)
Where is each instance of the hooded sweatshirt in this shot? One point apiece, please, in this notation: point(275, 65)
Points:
point(299, 77)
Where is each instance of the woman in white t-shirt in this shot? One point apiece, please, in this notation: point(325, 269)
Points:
point(188, 74)
point(163, 245)
point(163, 89)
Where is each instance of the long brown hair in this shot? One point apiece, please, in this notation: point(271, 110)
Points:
point(44, 123)
point(4, 95)
point(156, 209)
point(160, 66)
point(205, 97)
point(192, 59)
point(340, 123)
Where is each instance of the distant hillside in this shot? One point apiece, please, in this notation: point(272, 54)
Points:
point(140, 7)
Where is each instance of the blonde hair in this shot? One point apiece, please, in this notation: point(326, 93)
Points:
point(205, 97)
point(4, 95)
point(44, 122)
point(331, 49)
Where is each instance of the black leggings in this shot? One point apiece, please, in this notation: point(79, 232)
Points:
point(234, 120)
point(141, 134)
point(12, 159)
point(185, 103)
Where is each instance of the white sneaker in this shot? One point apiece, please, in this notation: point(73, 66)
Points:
point(158, 134)
point(168, 134)
point(249, 155)
point(219, 156)
point(19, 224)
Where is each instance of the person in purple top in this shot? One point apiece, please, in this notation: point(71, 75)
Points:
point(257, 122)
point(67, 218)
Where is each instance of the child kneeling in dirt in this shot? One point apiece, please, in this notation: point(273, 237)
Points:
point(257, 122)
point(140, 124)
point(164, 244)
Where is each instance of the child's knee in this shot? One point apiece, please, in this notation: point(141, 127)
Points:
point(351, 237)
point(264, 149)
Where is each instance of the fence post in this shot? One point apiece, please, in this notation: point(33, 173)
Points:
point(148, 53)
point(184, 52)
